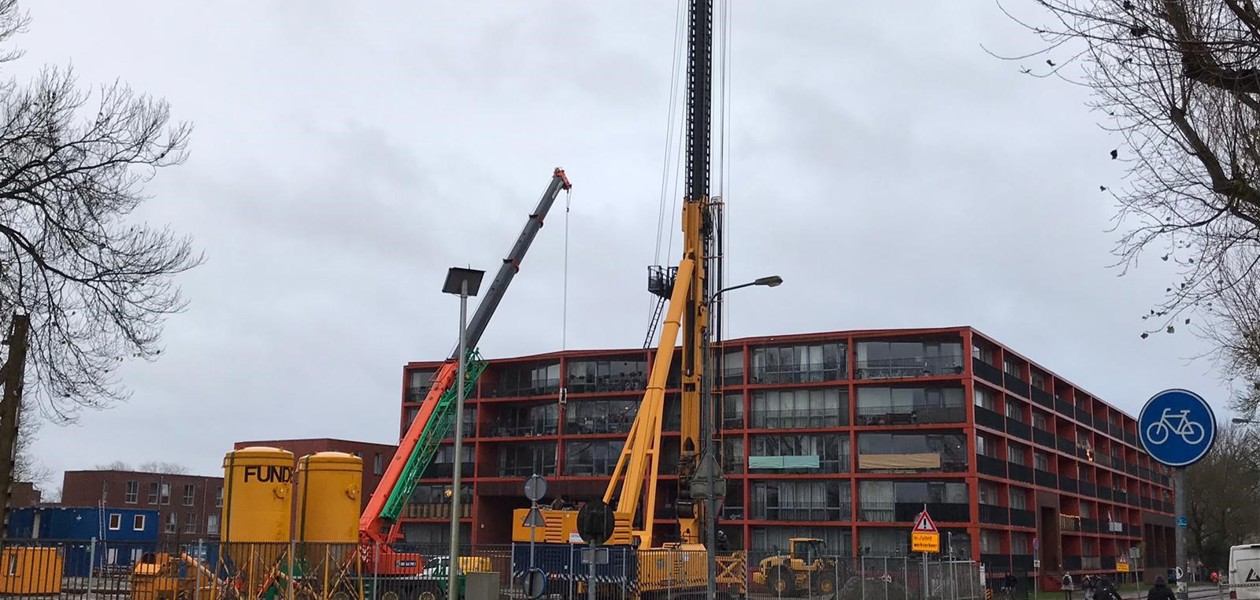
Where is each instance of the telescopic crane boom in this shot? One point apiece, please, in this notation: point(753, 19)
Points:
point(378, 526)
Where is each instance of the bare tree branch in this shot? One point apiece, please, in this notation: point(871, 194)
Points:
point(96, 282)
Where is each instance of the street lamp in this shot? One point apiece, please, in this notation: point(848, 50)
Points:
point(463, 283)
point(708, 483)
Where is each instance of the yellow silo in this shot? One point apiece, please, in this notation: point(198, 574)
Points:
point(329, 489)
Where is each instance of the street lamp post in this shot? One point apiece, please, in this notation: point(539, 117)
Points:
point(709, 484)
point(463, 283)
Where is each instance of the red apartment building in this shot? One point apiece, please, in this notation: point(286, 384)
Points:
point(188, 505)
point(375, 456)
point(843, 436)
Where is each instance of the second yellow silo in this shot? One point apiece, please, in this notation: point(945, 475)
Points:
point(329, 489)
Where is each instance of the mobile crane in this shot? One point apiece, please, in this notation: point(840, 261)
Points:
point(379, 524)
point(676, 566)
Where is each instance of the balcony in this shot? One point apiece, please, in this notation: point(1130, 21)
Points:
point(990, 419)
point(988, 465)
point(1063, 407)
point(994, 515)
point(1021, 563)
point(1089, 490)
point(906, 512)
point(986, 371)
point(996, 563)
point(1043, 438)
point(1018, 429)
point(1015, 384)
point(1046, 479)
point(1019, 473)
point(799, 373)
point(905, 415)
point(1043, 398)
point(1104, 492)
point(802, 511)
point(800, 418)
point(925, 462)
point(1065, 446)
point(917, 366)
point(1067, 484)
point(1023, 518)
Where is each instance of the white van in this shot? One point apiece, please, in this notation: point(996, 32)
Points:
point(1244, 572)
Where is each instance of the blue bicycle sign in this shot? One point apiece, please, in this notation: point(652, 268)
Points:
point(1177, 427)
point(1178, 424)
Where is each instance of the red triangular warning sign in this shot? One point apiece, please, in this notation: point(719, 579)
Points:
point(924, 523)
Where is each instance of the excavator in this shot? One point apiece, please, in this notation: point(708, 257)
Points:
point(641, 561)
point(398, 572)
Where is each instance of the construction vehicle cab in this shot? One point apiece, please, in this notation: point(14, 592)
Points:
point(803, 569)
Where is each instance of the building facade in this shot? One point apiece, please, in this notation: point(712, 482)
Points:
point(188, 506)
point(123, 534)
point(375, 456)
point(844, 436)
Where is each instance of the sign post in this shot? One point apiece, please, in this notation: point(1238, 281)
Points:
point(925, 538)
point(534, 579)
point(1177, 428)
point(595, 523)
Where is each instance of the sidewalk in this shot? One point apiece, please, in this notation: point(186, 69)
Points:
point(1196, 593)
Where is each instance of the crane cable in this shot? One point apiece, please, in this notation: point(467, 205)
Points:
point(564, 296)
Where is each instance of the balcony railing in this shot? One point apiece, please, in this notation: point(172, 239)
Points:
point(798, 418)
point(802, 373)
point(908, 415)
point(1015, 384)
point(1043, 398)
point(986, 371)
point(1046, 479)
point(1020, 473)
point(1043, 438)
point(580, 384)
point(1018, 429)
point(907, 511)
point(803, 512)
point(991, 466)
point(994, 515)
point(1023, 518)
point(541, 387)
point(990, 419)
point(536, 428)
point(614, 423)
point(918, 366)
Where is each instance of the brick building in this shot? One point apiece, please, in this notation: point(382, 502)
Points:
point(844, 436)
point(188, 505)
point(375, 456)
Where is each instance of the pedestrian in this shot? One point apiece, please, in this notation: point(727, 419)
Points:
point(1160, 591)
point(1068, 584)
point(1008, 585)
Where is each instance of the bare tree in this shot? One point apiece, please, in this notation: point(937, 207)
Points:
point(1179, 82)
point(165, 468)
point(117, 465)
point(26, 466)
point(1220, 520)
point(96, 283)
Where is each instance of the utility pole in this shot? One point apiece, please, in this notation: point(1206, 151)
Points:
point(12, 375)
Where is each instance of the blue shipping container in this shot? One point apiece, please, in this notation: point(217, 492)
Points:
point(123, 534)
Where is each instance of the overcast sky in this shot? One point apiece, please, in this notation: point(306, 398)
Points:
point(346, 154)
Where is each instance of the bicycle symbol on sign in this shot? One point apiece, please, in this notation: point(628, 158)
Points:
point(1191, 433)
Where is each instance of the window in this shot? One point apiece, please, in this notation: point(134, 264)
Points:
point(1019, 498)
point(166, 493)
point(983, 353)
point(1041, 420)
point(218, 499)
point(591, 457)
point(172, 522)
point(1011, 367)
point(1020, 543)
point(878, 360)
point(990, 542)
point(902, 501)
point(802, 453)
point(989, 493)
point(212, 525)
point(137, 523)
point(1015, 454)
point(608, 375)
point(523, 460)
point(733, 411)
point(133, 492)
point(1014, 410)
point(190, 494)
point(378, 464)
point(904, 406)
point(600, 416)
point(115, 521)
point(733, 367)
point(792, 409)
point(153, 493)
point(537, 379)
point(913, 452)
point(798, 364)
point(1040, 461)
point(984, 398)
point(190, 523)
point(986, 446)
point(788, 500)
